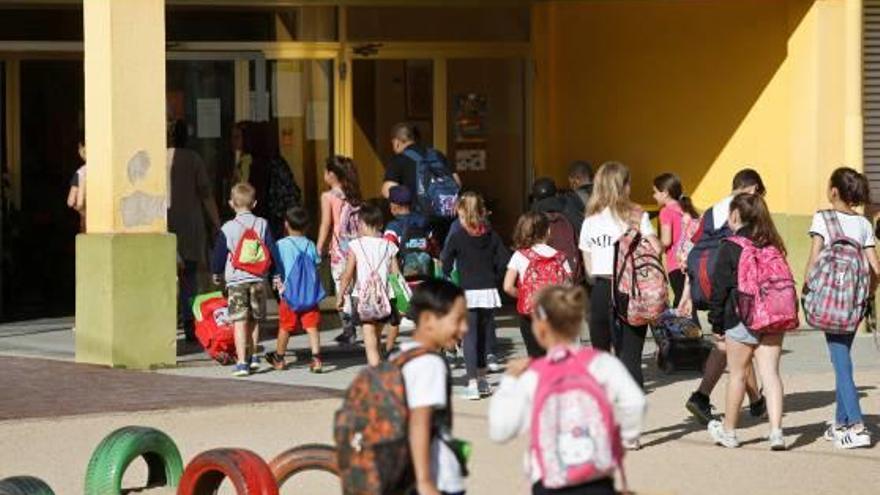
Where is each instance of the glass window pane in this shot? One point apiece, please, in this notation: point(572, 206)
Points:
point(492, 23)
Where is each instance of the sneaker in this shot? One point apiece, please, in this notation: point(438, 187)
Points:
point(632, 444)
point(493, 364)
point(833, 432)
point(345, 338)
point(276, 361)
point(698, 405)
point(484, 387)
point(758, 408)
point(240, 370)
point(777, 441)
point(851, 439)
point(721, 437)
point(255, 363)
point(472, 392)
point(316, 366)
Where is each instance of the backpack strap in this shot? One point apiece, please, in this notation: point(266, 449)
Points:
point(740, 241)
point(832, 223)
point(635, 218)
point(406, 356)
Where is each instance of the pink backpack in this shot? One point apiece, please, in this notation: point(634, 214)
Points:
point(766, 296)
point(689, 227)
point(574, 437)
point(541, 272)
point(641, 293)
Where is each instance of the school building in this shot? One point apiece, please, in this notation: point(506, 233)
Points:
point(509, 90)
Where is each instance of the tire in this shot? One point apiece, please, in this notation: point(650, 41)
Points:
point(247, 472)
point(24, 485)
point(119, 449)
point(310, 457)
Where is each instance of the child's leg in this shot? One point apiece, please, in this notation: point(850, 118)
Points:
point(391, 338)
point(601, 315)
point(371, 342)
point(281, 345)
point(533, 349)
point(241, 340)
point(739, 359)
point(752, 388)
point(471, 345)
point(849, 413)
point(716, 363)
point(258, 295)
point(314, 341)
point(484, 325)
point(630, 344)
point(767, 359)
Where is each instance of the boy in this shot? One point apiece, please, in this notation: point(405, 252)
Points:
point(290, 248)
point(440, 312)
point(246, 291)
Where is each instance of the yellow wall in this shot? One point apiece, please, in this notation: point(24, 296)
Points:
point(702, 88)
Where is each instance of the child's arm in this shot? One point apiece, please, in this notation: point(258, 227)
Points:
point(420, 448)
point(510, 283)
point(665, 235)
point(71, 197)
point(345, 282)
point(324, 228)
point(875, 266)
point(269, 241)
point(511, 403)
point(395, 266)
point(815, 249)
point(447, 257)
point(219, 257)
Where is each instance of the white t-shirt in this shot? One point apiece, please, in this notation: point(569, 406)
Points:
point(854, 226)
point(373, 254)
point(598, 235)
point(520, 263)
point(425, 378)
point(720, 212)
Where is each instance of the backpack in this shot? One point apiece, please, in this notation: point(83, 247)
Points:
point(437, 190)
point(689, 228)
point(416, 262)
point(373, 303)
point(371, 430)
point(837, 289)
point(541, 272)
point(703, 257)
point(641, 292)
point(574, 436)
point(251, 254)
point(213, 328)
point(766, 299)
point(283, 193)
point(303, 290)
point(349, 226)
point(563, 238)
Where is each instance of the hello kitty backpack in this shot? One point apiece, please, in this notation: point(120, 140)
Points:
point(574, 437)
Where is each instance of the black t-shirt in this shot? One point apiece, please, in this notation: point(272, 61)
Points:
point(402, 169)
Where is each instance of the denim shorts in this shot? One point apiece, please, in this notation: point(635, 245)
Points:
point(742, 335)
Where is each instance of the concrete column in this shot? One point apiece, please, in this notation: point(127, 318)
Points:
point(126, 290)
point(853, 126)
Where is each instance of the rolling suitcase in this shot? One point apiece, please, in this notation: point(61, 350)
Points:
point(680, 343)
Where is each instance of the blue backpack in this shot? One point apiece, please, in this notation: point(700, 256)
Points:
point(303, 290)
point(703, 257)
point(437, 190)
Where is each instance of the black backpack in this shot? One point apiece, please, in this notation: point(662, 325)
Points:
point(703, 257)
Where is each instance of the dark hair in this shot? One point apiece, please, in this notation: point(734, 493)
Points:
point(581, 169)
point(346, 172)
point(371, 215)
point(749, 177)
point(671, 184)
point(435, 296)
point(531, 228)
point(178, 134)
point(757, 222)
point(852, 187)
point(406, 132)
point(297, 218)
point(543, 188)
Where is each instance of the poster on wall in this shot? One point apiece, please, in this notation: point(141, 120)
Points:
point(470, 160)
point(471, 110)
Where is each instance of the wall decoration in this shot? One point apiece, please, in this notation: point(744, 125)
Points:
point(470, 117)
point(470, 160)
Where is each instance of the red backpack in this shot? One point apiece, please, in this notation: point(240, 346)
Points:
point(251, 254)
point(541, 272)
point(640, 293)
point(563, 239)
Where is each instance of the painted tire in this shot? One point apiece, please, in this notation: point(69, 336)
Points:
point(117, 451)
point(246, 471)
point(24, 485)
point(310, 457)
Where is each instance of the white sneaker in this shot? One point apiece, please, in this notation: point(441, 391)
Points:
point(484, 388)
point(493, 364)
point(852, 439)
point(721, 437)
point(472, 392)
point(833, 432)
point(777, 441)
point(632, 444)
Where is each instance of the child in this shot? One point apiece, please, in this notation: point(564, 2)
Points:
point(440, 313)
point(296, 244)
point(344, 197)
point(76, 197)
point(529, 238)
point(480, 256)
point(847, 189)
point(750, 218)
point(558, 317)
point(372, 258)
point(678, 219)
point(246, 290)
point(608, 214)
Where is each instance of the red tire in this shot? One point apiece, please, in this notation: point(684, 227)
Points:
point(247, 472)
point(310, 457)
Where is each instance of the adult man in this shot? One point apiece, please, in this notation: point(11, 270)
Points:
point(580, 179)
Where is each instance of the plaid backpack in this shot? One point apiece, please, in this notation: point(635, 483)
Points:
point(640, 292)
point(541, 272)
point(837, 289)
point(766, 299)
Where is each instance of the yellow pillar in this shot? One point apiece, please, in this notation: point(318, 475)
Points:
point(853, 154)
point(126, 304)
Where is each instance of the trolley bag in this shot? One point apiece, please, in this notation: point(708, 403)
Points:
point(680, 343)
point(213, 328)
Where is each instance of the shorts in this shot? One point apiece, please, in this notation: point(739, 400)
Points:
point(742, 335)
point(247, 301)
point(290, 321)
point(393, 319)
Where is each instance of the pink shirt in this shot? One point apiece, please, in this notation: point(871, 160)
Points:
point(672, 214)
point(337, 199)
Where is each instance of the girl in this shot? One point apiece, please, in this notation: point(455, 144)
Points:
point(480, 256)
point(678, 220)
point(371, 255)
point(748, 218)
point(531, 234)
point(340, 175)
point(847, 190)
point(608, 214)
point(557, 321)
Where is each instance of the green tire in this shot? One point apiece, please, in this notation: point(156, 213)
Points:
point(119, 449)
point(24, 485)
